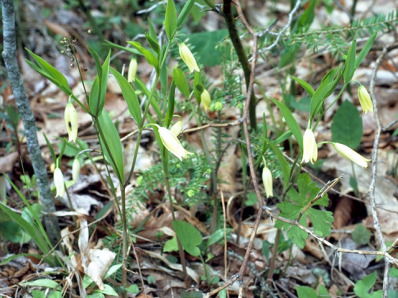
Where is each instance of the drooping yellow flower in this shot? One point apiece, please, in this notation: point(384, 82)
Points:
point(70, 117)
point(205, 99)
point(350, 154)
point(365, 100)
point(267, 181)
point(188, 58)
point(75, 169)
point(310, 153)
point(176, 129)
point(59, 183)
point(171, 143)
point(133, 66)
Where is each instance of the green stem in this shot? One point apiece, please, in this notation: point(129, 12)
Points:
point(242, 57)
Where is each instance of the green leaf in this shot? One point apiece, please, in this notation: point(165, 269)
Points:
point(350, 62)
point(133, 289)
point(363, 286)
point(347, 125)
point(111, 145)
point(108, 290)
point(55, 294)
point(38, 294)
point(306, 19)
point(129, 95)
point(307, 87)
point(50, 72)
point(98, 90)
point(170, 22)
point(298, 201)
point(306, 292)
point(112, 270)
point(46, 283)
point(205, 45)
point(170, 104)
point(181, 81)
point(189, 236)
point(282, 162)
point(217, 236)
point(184, 12)
point(171, 245)
point(291, 122)
point(361, 235)
point(365, 50)
point(11, 231)
point(149, 56)
point(153, 43)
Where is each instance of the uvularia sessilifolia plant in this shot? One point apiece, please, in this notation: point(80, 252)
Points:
point(162, 103)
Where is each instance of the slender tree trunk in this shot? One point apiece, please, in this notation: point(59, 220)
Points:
point(14, 76)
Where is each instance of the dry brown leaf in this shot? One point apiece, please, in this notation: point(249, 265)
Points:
point(342, 213)
point(7, 162)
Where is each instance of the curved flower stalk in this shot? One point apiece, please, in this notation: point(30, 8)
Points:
point(310, 153)
point(365, 100)
point(350, 154)
point(70, 117)
point(171, 143)
point(188, 58)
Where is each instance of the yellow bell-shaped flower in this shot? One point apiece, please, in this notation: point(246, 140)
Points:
point(133, 66)
point(267, 181)
point(75, 169)
point(176, 129)
point(310, 153)
point(350, 154)
point(171, 143)
point(59, 183)
point(205, 99)
point(188, 58)
point(70, 117)
point(365, 100)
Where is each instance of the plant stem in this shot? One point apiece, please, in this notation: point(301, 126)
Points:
point(242, 57)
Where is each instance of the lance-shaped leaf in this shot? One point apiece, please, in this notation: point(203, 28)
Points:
point(98, 90)
point(170, 22)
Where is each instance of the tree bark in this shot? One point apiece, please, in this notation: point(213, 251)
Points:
point(14, 76)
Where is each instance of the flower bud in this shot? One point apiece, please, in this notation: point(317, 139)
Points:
point(310, 153)
point(70, 117)
point(75, 169)
point(59, 182)
point(176, 129)
point(205, 99)
point(171, 143)
point(132, 70)
point(267, 181)
point(350, 154)
point(365, 100)
point(188, 58)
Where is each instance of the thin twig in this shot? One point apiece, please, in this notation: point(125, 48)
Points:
point(372, 186)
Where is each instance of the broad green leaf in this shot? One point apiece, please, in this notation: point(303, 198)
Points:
point(361, 235)
point(11, 231)
point(306, 292)
point(306, 19)
point(111, 145)
point(217, 236)
point(297, 202)
point(291, 122)
point(129, 95)
point(134, 289)
point(181, 81)
point(38, 294)
point(153, 43)
point(112, 270)
point(365, 50)
point(327, 86)
point(282, 162)
point(171, 245)
point(363, 286)
point(151, 29)
point(55, 294)
point(98, 90)
point(307, 87)
point(108, 290)
point(189, 236)
point(184, 12)
point(347, 125)
point(46, 283)
point(170, 23)
point(149, 56)
point(205, 45)
point(50, 72)
point(350, 62)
